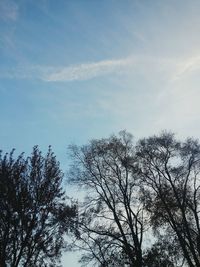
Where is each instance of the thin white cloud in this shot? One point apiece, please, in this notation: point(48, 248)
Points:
point(87, 71)
point(152, 68)
point(185, 67)
point(9, 10)
point(83, 71)
point(148, 66)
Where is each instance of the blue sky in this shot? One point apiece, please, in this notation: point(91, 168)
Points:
point(72, 70)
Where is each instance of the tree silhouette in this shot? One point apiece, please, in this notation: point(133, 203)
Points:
point(135, 193)
point(33, 213)
point(169, 172)
point(111, 220)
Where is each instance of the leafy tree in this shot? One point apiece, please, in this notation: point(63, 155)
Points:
point(170, 181)
point(162, 253)
point(33, 213)
point(111, 219)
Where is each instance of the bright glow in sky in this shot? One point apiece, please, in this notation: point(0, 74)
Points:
point(75, 70)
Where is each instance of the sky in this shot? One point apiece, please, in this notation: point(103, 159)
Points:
point(73, 70)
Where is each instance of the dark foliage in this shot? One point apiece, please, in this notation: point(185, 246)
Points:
point(33, 213)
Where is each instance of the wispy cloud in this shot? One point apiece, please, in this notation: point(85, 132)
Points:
point(168, 68)
point(9, 10)
point(153, 68)
point(83, 71)
point(149, 66)
point(186, 67)
point(87, 71)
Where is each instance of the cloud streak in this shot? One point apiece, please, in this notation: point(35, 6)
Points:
point(186, 66)
point(87, 71)
point(151, 67)
point(84, 71)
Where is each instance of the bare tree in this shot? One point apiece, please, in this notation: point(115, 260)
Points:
point(111, 219)
point(170, 181)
